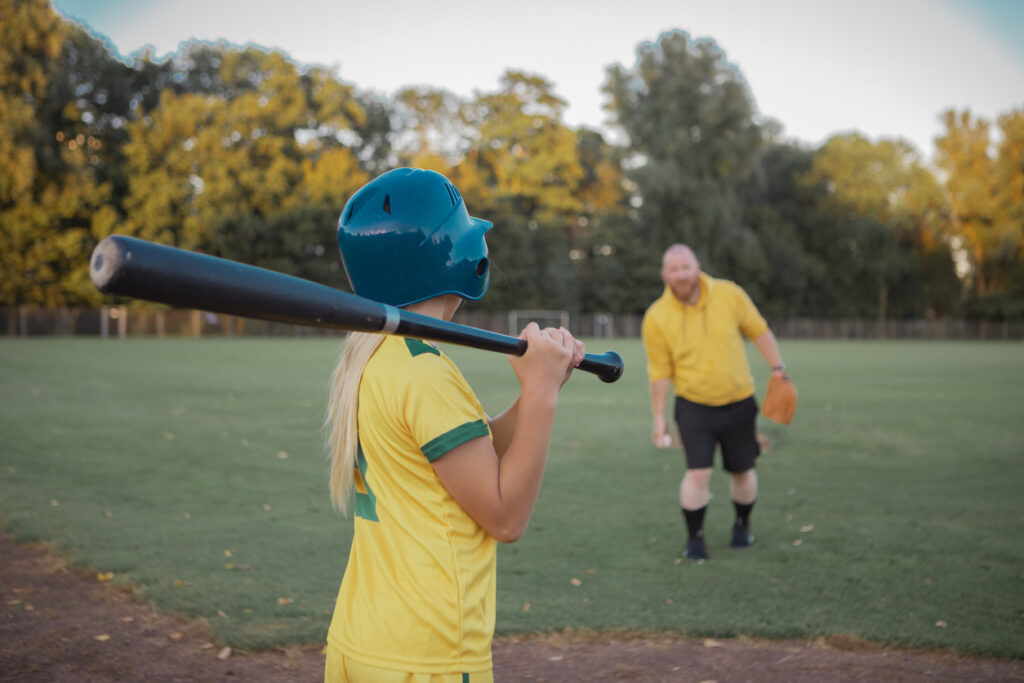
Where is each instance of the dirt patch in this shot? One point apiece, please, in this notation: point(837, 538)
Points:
point(61, 625)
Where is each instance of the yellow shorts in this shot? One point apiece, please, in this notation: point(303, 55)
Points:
point(342, 669)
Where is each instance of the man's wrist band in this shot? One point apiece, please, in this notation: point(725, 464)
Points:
point(779, 367)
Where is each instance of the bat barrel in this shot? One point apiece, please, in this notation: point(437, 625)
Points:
point(131, 267)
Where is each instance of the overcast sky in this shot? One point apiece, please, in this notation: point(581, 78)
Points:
point(886, 68)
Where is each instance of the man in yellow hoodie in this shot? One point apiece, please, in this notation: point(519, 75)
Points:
point(693, 335)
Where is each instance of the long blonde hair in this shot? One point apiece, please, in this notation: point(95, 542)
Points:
point(342, 412)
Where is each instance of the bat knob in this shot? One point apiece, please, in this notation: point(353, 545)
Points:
point(607, 366)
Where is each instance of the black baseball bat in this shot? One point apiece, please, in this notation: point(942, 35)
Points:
point(132, 267)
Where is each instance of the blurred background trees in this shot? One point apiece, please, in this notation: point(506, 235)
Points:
point(243, 153)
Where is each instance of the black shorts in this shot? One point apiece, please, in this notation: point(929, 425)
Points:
point(703, 427)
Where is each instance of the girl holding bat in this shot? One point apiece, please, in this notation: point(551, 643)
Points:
point(437, 483)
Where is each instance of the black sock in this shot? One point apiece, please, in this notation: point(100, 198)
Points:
point(695, 521)
point(743, 512)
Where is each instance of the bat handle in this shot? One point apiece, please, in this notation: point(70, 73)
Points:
point(607, 366)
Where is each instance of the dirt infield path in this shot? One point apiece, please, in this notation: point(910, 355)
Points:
point(59, 625)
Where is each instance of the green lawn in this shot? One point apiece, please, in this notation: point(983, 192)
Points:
point(891, 509)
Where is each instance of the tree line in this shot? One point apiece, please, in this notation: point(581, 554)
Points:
point(240, 152)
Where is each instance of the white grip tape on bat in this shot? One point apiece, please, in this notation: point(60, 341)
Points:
point(392, 316)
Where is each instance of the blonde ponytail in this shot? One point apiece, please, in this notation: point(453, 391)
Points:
point(342, 411)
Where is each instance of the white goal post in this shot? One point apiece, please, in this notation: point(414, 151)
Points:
point(518, 318)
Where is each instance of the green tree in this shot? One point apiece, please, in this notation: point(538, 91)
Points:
point(198, 160)
point(245, 152)
point(887, 182)
point(782, 211)
point(53, 195)
point(963, 154)
point(522, 171)
point(689, 119)
point(1005, 257)
point(434, 125)
point(526, 153)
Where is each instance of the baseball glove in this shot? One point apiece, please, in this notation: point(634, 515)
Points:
point(779, 399)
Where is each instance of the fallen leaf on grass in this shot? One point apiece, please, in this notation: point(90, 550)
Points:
point(105, 576)
point(221, 614)
point(283, 455)
point(798, 542)
point(284, 601)
point(806, 527)
point(709, 642)
point(176, 636)
point(104, 637)
point(266, 507)
point(127, 620)
point(941, 624)
point(576, 582)
point(227, 553)
point(224, 654)
point(527, 607)
point(55, 503)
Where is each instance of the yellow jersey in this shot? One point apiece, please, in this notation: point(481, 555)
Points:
point(419, 590)
point(700, 347)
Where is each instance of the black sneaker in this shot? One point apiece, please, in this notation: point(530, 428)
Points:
point(695, 550)
point(741, 536)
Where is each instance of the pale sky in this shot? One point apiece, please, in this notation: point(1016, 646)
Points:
point(885, 68)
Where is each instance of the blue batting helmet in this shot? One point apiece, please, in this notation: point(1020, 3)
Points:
point(406, 236)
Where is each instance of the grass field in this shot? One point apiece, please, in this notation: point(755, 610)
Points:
point(891, 509)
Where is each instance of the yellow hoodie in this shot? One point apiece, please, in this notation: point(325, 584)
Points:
point(700, 347)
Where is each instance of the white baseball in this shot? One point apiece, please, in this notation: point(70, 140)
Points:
point(666, 440)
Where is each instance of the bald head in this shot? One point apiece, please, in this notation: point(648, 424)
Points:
point(680, 271)
point(679, 251)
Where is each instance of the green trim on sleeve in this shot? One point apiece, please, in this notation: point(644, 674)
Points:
point(417, 346)
point(440, 445)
